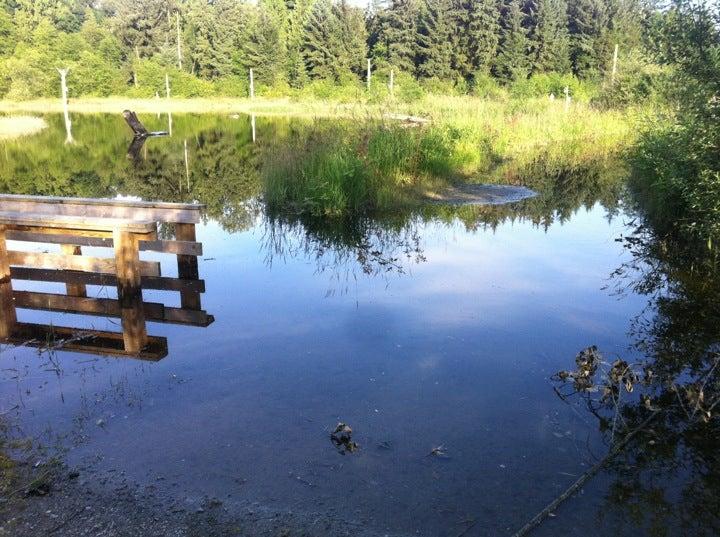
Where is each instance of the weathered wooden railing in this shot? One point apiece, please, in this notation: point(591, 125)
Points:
point(128, 227)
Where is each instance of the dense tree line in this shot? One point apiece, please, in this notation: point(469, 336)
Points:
point(208, 46)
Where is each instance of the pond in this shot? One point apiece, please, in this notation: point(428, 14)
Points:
point(433, 332)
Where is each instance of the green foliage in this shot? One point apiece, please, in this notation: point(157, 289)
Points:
point(334, 41)
point(589, 27)
point(546, 84)
point(435, 50)
point(513, 62)
point(549, 39)
point(483, 34)
point(366, 167)
point(485, 86)
point(637, 82)
point(289, 43)
point(397, 39)
point(8, 34)
point(677, 163)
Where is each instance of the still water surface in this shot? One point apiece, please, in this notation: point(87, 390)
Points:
point(440, 327)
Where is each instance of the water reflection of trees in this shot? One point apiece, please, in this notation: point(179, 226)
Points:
point(213, 160)
point(221, 160)
point(668, 478)
point(391, 243)
point(372, 246)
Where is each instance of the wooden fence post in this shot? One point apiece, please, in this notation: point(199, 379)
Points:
point(167, 86)
point(73, 289)
point(179, 50)
point(369, 74)
point(567, 98)
point(7, 305)
point(614, 67)
point(252, 84)
point(129, 290)
point(187, 267)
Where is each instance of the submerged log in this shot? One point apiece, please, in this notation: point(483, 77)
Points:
point(139, 130)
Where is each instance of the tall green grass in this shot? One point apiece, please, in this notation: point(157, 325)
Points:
point(360, 168)
point(367, 165)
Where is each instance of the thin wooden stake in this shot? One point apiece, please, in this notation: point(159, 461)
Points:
point(615, 62)
point(369, 74)
point(567, 98)
point(179, 49)
point(252, 84)
point(391, 85)
point(167, 86)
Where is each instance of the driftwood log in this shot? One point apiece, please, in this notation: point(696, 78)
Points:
point(139, 130)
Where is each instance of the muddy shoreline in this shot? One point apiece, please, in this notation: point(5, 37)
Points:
point(84, 502)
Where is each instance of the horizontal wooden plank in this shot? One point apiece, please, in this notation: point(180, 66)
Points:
point(164, 283)
point(164, 246)
point(112, 202)
point(107, 307)
point(172, 247)
point(75, 262)
point(114, 208)
point(30, 218)
point(186, 316)
point(92, 278)
point(87, 341)
point(31, 236)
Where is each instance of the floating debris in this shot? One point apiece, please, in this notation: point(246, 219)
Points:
point(341, 438)
point(439, 452)
point(385, 445)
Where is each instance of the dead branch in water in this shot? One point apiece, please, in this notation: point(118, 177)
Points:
point(572, 489)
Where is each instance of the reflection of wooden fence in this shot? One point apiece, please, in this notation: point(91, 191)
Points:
point(126, 226)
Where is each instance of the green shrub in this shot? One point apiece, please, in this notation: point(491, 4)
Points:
point(485, 86)
point(545, 84)
point(636, 82)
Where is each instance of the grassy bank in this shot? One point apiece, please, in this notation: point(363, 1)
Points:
point(380, 165)
point(371, 160)
point(215, 105)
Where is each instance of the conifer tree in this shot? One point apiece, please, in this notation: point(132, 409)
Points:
point(398, 34)
point(483, 33)
point(549, 39)
point(435, 49)
point(513, 61)
point(298, 13)
point(588, 24)
point(264, 51)
point(334, 43)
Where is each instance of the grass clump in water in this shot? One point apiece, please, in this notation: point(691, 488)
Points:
point(355, 170)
